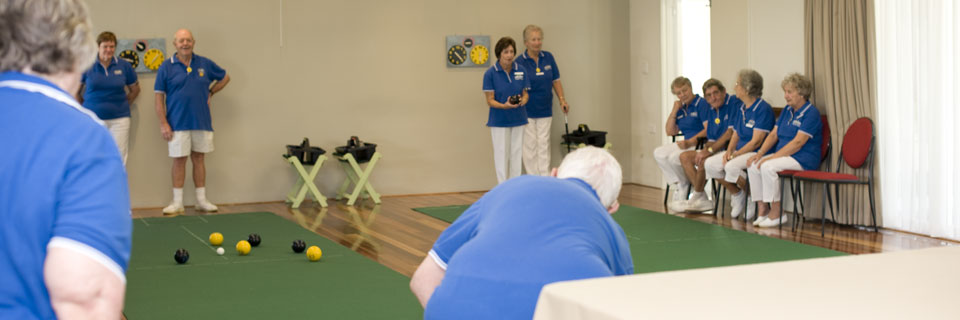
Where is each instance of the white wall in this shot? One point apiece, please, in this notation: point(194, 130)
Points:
point(764, 35)
point(645, 97)
point(374, 68)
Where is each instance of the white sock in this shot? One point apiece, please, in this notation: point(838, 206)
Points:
point(201, 194)
point(698, 195)
point(177, 195)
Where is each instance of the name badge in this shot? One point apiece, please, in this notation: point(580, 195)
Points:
point(539, 74)
point(117, 72)
point(518, 76)
point(750, 124)
point(693, 114)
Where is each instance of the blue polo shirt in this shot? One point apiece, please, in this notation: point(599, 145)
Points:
point(62, 184)
point(188, 92)
point(104, 92)
point(689, 119)
point(525, 233)
point(718, 120)
point(543, 72)
point(806, 121)
point(758, 116)
point(503, 86)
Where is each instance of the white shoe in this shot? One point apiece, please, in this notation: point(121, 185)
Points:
point(759, 221)
point(205, 205)
point(774, 222)
point(699, 205)
point(677, 206)
point(751, 209)
point(173, 209)
point(736, 202)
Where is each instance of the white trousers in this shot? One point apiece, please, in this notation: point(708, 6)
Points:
point(536, 146)
point(734, 169)
point(507, 149)
point(668, 159)
point(764, 181)
point(120, 130)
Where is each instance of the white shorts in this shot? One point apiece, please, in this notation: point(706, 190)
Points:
point(184, 142)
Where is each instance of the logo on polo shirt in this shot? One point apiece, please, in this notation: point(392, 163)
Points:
point(117, 72)
point(518, 75)
point(796, 123)
point(547, 67)
point(200, 72)
point(750, 124)
point(693, 114)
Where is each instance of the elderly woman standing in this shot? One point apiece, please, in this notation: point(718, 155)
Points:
point(544, 77)
point(795, 140)
point(750, 126)
point(109, 87)
point(502, 84)
point(63, 191)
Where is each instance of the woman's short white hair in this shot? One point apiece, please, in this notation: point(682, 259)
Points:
point(596, 167)
point(45, 36)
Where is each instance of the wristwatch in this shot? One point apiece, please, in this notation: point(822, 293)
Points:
point(710, 149)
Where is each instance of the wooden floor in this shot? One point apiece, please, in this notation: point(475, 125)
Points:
point(399, 238)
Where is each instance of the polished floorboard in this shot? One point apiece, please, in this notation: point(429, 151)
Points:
point(398, 237)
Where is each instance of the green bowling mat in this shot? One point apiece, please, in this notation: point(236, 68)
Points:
point(272, 282)
point(660, 242)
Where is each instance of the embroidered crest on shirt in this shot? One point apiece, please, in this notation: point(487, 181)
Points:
point(118, 72)
point(547, 67)
point(518, 76)
point(200, 72)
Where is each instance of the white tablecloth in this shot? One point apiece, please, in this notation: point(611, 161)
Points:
point(916, 284)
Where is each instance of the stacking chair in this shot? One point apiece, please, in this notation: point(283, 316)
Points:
point(795, 190)
point(856, 151)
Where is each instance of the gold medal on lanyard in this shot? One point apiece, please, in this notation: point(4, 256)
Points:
point(538, 69)
point(189, 69)
point(717, 120)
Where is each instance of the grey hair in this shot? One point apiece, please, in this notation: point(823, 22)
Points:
point(596, 167)
point(529, 28)
point(751, 81)
point(802, 83)
point(45, 36)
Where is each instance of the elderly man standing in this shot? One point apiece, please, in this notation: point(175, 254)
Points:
point(492, 262)
point(185, 83)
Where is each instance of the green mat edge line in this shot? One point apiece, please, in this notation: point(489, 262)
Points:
point(423, 210)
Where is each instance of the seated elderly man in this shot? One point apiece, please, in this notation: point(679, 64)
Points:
point(530, 231)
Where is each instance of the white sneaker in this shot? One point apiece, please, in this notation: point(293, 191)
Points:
point(751, 209)
point(759, 221)
point(173, 209)
point(699, 205)
point(205, 205)
point(736, 202)
point(677, 206)
point(774, 222)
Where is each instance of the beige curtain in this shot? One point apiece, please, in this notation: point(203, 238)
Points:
point(841, 61)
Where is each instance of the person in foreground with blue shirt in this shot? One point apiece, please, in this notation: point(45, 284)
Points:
point(492, 262)
point(507, 117)
point(185, 83)
point(64, 200)
point(795, 141)
point(109, 88)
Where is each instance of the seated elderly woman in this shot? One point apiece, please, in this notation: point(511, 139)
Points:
point(750, 125)
point(795, 141)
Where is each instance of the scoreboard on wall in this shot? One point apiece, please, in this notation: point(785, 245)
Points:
point(146, 55)
point(468, 51)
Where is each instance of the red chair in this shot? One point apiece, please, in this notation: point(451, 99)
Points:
point(856, 151)
point(795, 191)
